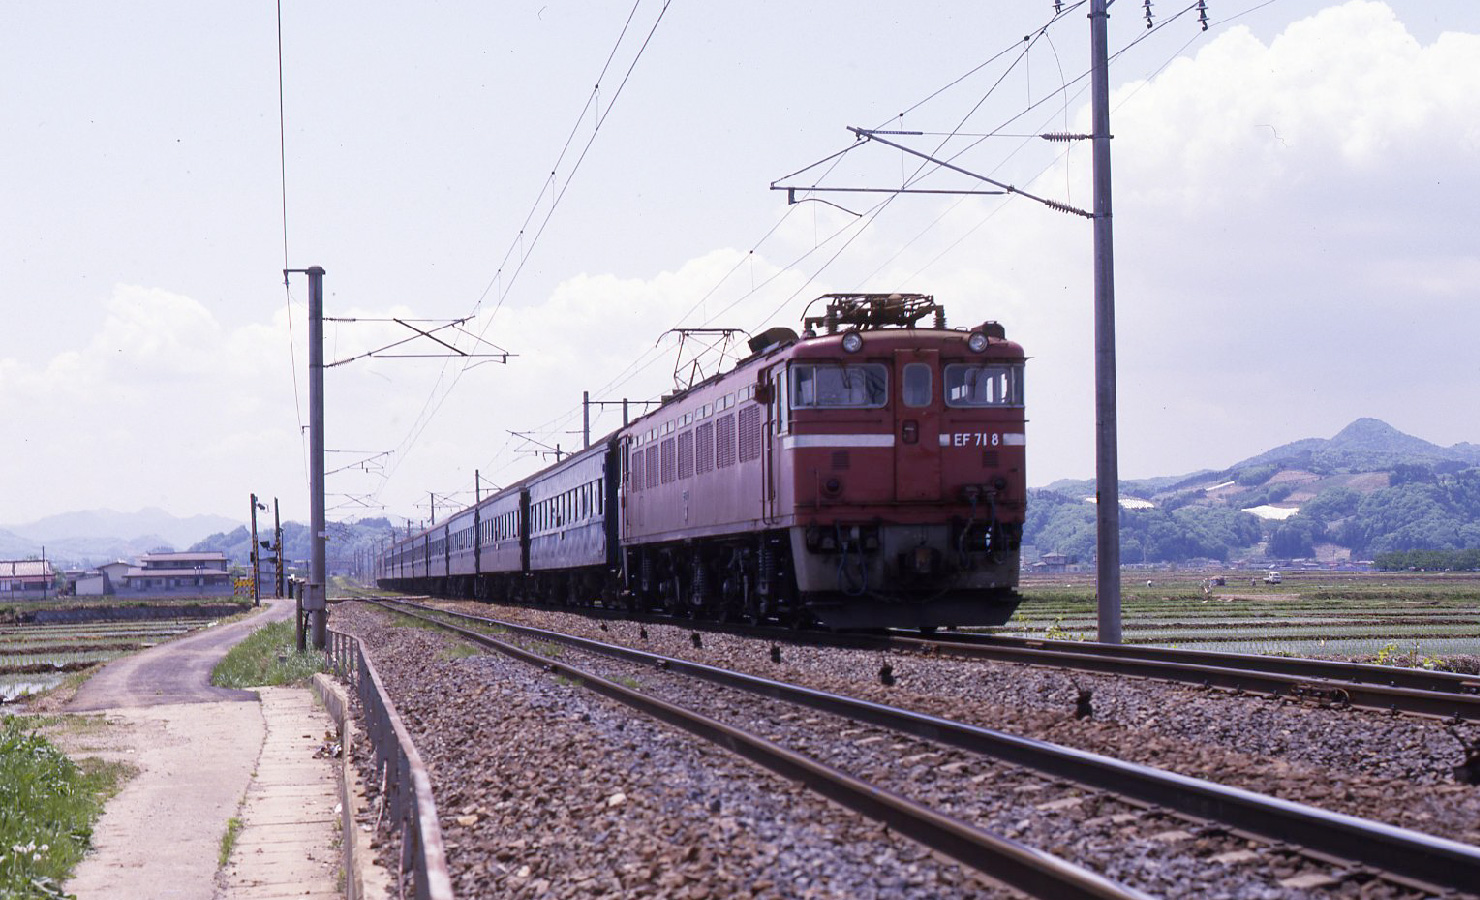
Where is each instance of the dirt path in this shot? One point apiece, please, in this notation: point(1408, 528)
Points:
point(196, 747)
point(175, 672)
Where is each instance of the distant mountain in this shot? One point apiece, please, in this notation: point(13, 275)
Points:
point(153, 526)
point(1369, 489)
point(1364, 445)
point(78, 552)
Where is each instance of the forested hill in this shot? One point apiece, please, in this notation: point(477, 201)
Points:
point(364, 537)
point(1368, 490)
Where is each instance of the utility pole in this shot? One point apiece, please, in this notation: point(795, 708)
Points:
point(316, 591)
point(277, 543)
point(1107, 466)
point(255, 557)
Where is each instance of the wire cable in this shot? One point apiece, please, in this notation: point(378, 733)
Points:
point(438, 395)
point(287, 289)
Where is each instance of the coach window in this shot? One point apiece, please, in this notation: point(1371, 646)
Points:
point(978, 385)
point(829, 386)
point(915, 391)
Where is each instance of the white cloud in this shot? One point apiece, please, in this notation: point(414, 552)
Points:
point(1294, 242)
point(158, 407)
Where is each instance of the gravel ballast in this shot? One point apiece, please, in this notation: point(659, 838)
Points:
point(657, 813)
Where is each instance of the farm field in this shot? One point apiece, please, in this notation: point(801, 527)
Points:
point(1405, 618)
point(37, 656)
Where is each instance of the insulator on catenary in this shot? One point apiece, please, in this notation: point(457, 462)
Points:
point(1066, 208)
point(1064, 136)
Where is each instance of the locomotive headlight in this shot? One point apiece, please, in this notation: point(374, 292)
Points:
point(853, 342)
point(976, 342)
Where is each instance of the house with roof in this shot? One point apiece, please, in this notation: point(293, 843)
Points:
point(187, 574)
point(26, 579)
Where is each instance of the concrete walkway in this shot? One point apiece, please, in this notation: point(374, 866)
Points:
point(288, 843)
point(161, 835)
point(206, 756)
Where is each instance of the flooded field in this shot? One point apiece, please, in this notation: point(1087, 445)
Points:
point(42, 643)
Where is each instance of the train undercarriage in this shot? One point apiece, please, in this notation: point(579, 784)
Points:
point(937, 576)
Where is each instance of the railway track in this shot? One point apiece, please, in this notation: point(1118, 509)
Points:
point(1406, 857)
point(1394, 689)
point(1391, 689)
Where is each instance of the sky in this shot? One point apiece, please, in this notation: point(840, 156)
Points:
point(1296, 242)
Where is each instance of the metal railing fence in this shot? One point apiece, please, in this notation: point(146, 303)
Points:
point(405, 786)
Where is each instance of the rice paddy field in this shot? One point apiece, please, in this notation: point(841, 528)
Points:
point(1405, 618)
point(35, 657)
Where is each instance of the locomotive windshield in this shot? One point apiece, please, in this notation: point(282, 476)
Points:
point(831, 386)
point(983, 385)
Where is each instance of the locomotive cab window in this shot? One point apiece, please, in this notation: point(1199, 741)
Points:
point(829, 386)
point(984, 385)
point(915, 390)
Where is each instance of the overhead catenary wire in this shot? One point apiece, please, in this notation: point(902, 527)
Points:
point(438, 396)
point(287, 289)
point(648, 358)
point(849, 232)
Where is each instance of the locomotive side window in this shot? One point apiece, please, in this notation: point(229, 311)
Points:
point(979, 385)
point(915, 391)
point(782, 408)
point(826, 386)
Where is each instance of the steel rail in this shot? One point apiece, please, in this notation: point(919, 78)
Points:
point(1398, 851)
point(1437, 704)
point(1439, 695)
point(1364, 673)
point(1033, 871)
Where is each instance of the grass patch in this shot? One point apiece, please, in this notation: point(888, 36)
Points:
point(402, 620)
point(48, 805)
point(459, 650)
point(547, 649)
point(268, 656)
point(228, 840)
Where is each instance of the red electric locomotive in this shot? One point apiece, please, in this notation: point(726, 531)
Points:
point(868, 473)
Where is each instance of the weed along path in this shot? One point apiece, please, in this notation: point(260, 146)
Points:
point(195, 746)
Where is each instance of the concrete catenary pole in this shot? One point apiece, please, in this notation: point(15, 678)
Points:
point(315, 604)
point(1107, 466)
